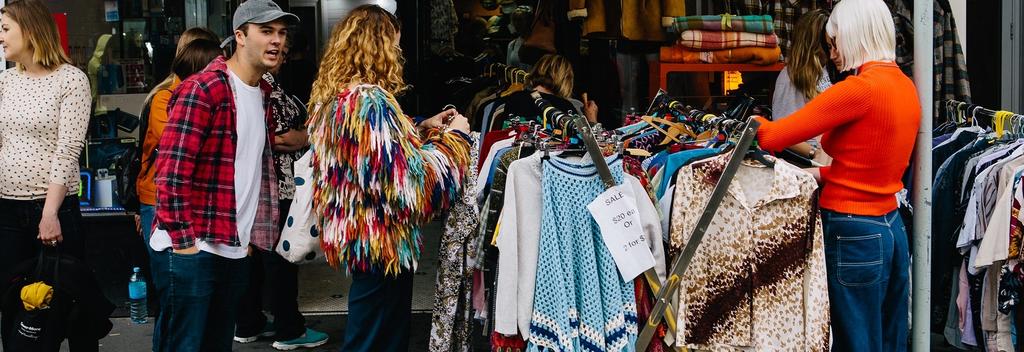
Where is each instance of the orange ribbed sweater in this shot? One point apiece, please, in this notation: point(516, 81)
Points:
point(868, 124)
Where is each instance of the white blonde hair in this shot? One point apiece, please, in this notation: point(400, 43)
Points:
point(863, 31)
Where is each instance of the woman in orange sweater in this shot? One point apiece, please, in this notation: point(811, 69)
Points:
point(196, 48)
point(869, 122)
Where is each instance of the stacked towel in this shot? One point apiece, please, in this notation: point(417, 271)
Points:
point(703, 40)
point(752, 24)
point(724, 39)
point(749, 55)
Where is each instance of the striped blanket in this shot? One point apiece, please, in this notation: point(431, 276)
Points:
point(755, 56)
point(752, 23)
point(711, 40)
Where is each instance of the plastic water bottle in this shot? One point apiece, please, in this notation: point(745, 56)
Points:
point(137, 297)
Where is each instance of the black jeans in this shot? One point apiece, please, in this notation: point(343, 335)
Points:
point(269, 268)
point(19, 226)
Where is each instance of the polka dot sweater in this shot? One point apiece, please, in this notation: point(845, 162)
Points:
point(43, 121)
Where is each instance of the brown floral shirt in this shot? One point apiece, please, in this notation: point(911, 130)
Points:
point(757, 280)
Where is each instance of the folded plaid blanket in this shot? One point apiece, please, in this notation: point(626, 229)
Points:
point(756, 56)
point(711, 40)
point(752, 23)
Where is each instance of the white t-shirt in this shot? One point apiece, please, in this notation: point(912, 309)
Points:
point(252, 138)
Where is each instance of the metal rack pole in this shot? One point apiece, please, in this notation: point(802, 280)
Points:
point(582, 127)
point(922, 192)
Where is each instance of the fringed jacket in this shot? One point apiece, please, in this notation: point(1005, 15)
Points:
point(376, 181)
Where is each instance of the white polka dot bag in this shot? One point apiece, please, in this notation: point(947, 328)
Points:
point(300, 240)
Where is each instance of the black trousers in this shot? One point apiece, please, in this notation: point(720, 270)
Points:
point(270, 269)
point(19, 226)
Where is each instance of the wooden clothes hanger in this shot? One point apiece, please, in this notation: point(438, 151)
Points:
point(675, 129)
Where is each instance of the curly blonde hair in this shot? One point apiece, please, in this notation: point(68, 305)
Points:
point(363, 50)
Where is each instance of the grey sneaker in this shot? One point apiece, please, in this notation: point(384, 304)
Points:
point(268, 331)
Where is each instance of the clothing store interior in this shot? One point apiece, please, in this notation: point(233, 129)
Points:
point(570, 99)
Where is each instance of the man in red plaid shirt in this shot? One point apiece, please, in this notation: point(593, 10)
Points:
point(216, 186)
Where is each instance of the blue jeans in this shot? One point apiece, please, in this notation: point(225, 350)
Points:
point(198, 299)
point(147, 215)
point(868, 263)
point(380, 311)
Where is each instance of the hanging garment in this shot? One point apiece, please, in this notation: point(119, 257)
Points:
point(947, 217)
point(580, 300)
point(995, 245)
point(444, 25)
point(520, 238)
point(642, 20)
point(951, 78)
point(951, 329)
point(497, 194)
point(981, 195)
point(785, 13)
point(1016, 237)
point(451, 327)
point(491, 157)
point(758, 277)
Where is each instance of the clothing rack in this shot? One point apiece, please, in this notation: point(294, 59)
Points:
point(505, 72)
point(974, 110)
point(582, 127)
point(682, 262)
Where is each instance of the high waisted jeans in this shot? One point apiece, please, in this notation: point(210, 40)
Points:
point(868, 262)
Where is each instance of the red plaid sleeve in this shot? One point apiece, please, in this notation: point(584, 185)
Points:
point(189, 119)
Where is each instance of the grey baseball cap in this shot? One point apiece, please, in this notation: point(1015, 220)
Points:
point(260, 11)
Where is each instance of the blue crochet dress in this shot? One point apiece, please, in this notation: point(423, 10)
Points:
point(581, 302)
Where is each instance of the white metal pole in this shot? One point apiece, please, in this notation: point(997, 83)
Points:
point(922, 193)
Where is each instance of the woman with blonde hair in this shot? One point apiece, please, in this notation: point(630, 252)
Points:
point(188, 59)
point(553, 77)
point(44, 115)
point(376, 180)
point(868, 124)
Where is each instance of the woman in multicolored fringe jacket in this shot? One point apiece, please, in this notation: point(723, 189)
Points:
point(377, 176)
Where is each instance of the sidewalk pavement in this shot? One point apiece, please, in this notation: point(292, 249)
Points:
point(129, 337)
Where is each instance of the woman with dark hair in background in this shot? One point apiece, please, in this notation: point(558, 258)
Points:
point(522, 23)
point(198, 47)
point(805, 76)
